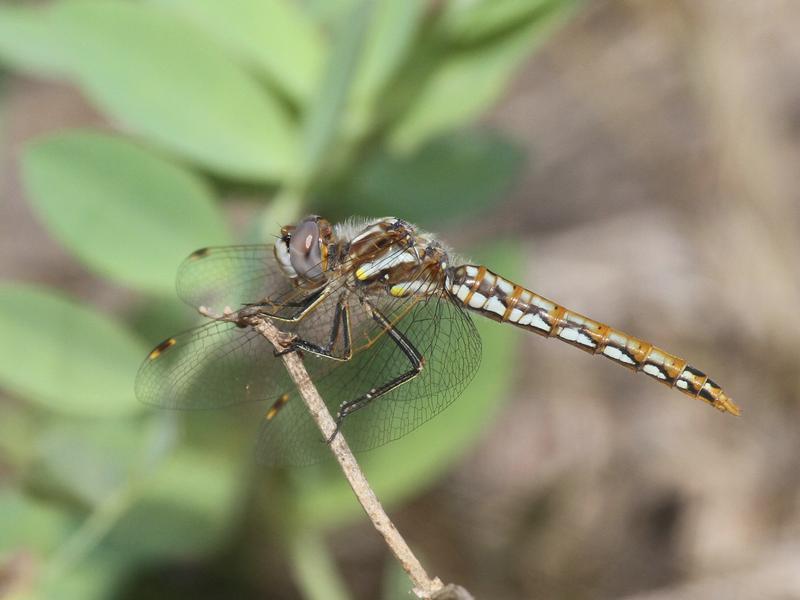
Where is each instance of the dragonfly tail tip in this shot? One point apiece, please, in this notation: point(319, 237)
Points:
point(725, 404)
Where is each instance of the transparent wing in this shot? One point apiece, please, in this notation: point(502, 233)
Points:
point(440, 330)
point(230, 276)
point(221, 277)
point(216, 365)
point(221, 364)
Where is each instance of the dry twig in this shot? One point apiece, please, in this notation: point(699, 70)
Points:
point(424, 586)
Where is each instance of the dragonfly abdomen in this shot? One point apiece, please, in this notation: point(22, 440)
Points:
point(502, 300)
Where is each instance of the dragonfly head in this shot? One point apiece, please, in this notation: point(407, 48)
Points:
point(302, 250)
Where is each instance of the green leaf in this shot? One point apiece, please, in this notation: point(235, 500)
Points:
point(96, 578)
point(64, 355)
point(27, 43)
point(29, 525)
point(127, 213)
point(467, 169)
point(388, 39)
point(166, 81)
point(403, 468)
point(91, 458)
point(326, 13)
point(18, 430)
point(324, 117)
point(271, 35)
point(471, 79)
point(184, 510)
point(155, 320)
point(314, 568)
point(474, 22)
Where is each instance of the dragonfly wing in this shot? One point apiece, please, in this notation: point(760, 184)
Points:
point(440, 330)
point(450, 345)
point(231, 276)
point(216, 365)
point(221, 364)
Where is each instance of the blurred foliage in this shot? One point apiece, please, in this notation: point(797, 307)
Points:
point(64, 355)
point(365, 106)
point(128, 207)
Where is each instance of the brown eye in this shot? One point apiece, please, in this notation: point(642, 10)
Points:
point(304, 249)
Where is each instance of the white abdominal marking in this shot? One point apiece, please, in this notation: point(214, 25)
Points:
point(618, 355)
point(477, 300)
point(505, 286)
point(535, 320)
point(494, 305)
point(654, 371)
point(568, 334)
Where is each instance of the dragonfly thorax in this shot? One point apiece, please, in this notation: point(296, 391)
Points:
point(391, 255)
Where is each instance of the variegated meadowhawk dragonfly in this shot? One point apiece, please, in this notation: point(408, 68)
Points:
point(380, 312)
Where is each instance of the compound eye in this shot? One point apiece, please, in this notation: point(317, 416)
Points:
point(305, 253)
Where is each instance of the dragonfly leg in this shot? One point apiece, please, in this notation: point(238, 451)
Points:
point(268, 309)
point(412, 354)
point(341, 319)
point(242, 317)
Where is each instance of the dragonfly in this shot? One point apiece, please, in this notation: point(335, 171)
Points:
point(380, 312)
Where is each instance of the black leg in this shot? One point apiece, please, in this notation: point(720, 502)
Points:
point(341, 317)
point(303, 306)
point(411, 353)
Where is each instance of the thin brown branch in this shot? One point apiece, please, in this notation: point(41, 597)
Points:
point(424, 586)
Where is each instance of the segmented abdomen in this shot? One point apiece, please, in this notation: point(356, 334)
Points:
point(497, 298)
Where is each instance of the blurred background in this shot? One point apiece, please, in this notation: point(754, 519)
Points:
point(634, 160)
